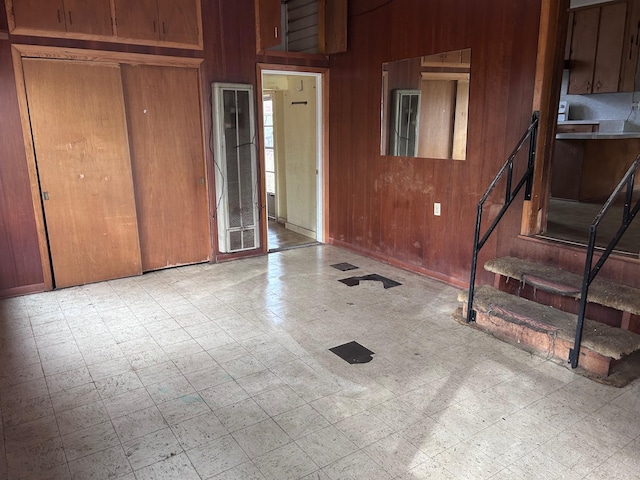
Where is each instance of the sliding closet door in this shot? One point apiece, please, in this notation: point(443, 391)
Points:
point(82, 153)
point(165, 131)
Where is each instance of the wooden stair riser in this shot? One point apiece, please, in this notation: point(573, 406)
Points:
point(544, 343)
point(600, 313)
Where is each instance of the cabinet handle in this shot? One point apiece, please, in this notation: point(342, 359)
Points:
point(275, 32)
point(164, 31)
point(154, 27)
point(70, 19)
point(59, 18)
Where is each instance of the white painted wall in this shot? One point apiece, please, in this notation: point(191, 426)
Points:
point(296, 150)
point(300, 154)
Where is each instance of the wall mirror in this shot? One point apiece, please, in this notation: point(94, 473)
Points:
point(425, 106)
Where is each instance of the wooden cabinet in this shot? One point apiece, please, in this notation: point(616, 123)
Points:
point(37, 14)
point(167, 21)
point(268, 25)
point(596, 49)
point(327, 20)
point(175, 23)
point(603, 45)
point(76, 16)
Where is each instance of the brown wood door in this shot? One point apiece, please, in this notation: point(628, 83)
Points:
point(178, 21)
point(163, 110)
point(137, 19)
point(39, 14)
point(268, 28)
point(92, 18)
point(82, 152)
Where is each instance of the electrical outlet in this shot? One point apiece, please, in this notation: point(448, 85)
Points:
point(436, 209)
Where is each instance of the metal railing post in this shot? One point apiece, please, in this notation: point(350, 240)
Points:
point(510, 196)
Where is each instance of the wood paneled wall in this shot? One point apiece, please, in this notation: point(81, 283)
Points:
point(229, 56)
point(383, 206)
point(20, 267)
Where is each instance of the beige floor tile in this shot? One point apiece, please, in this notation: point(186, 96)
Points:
point(395, 455)
point(152, 448)
point(261, 438)
point(217, 456)
point(286, 463)
point(176, 360)
point(106, 464)
point(176, 467)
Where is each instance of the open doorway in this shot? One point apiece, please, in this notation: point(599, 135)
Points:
point(597, 134)
point(293, 152)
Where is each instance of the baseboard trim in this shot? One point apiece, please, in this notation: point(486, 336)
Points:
point(22, 290)
point(456, 282)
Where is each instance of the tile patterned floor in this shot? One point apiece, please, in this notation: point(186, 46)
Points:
point(222, 372)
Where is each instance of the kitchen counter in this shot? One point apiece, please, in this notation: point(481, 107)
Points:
point(597, 130)
point(597, 135)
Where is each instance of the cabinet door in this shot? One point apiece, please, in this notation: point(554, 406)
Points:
point(82, 152)
point(92, 18)
point(39, 14)
point(333, 26)
point(137, 19)
point(268, 28)
point(163, 110)
point(178, 21)
point(583, 50)
point(606, 75)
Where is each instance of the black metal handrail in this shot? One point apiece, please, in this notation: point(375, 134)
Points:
point(628, 214)
point(510, 195)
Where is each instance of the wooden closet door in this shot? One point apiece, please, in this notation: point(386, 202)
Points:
point(82, 152)
point(163, 112)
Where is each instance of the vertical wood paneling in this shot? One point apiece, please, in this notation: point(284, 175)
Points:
point(385, 204)
point(20, 266)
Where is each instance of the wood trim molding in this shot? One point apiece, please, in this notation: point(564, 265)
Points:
point(456, 282)
point(40, 51)
point(551, 46)
point(324, 72)
point(445, 76)
point(23, 290)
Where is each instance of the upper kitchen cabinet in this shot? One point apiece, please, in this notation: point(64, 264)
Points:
point(268, 24)
point(75, 17)
point(175, 22)
point(603, 48)
point(304, 26)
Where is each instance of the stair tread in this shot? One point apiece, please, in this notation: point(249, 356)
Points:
point(606, 340)
point(562, 282)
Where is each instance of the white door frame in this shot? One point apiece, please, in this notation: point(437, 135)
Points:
point(321, 194)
